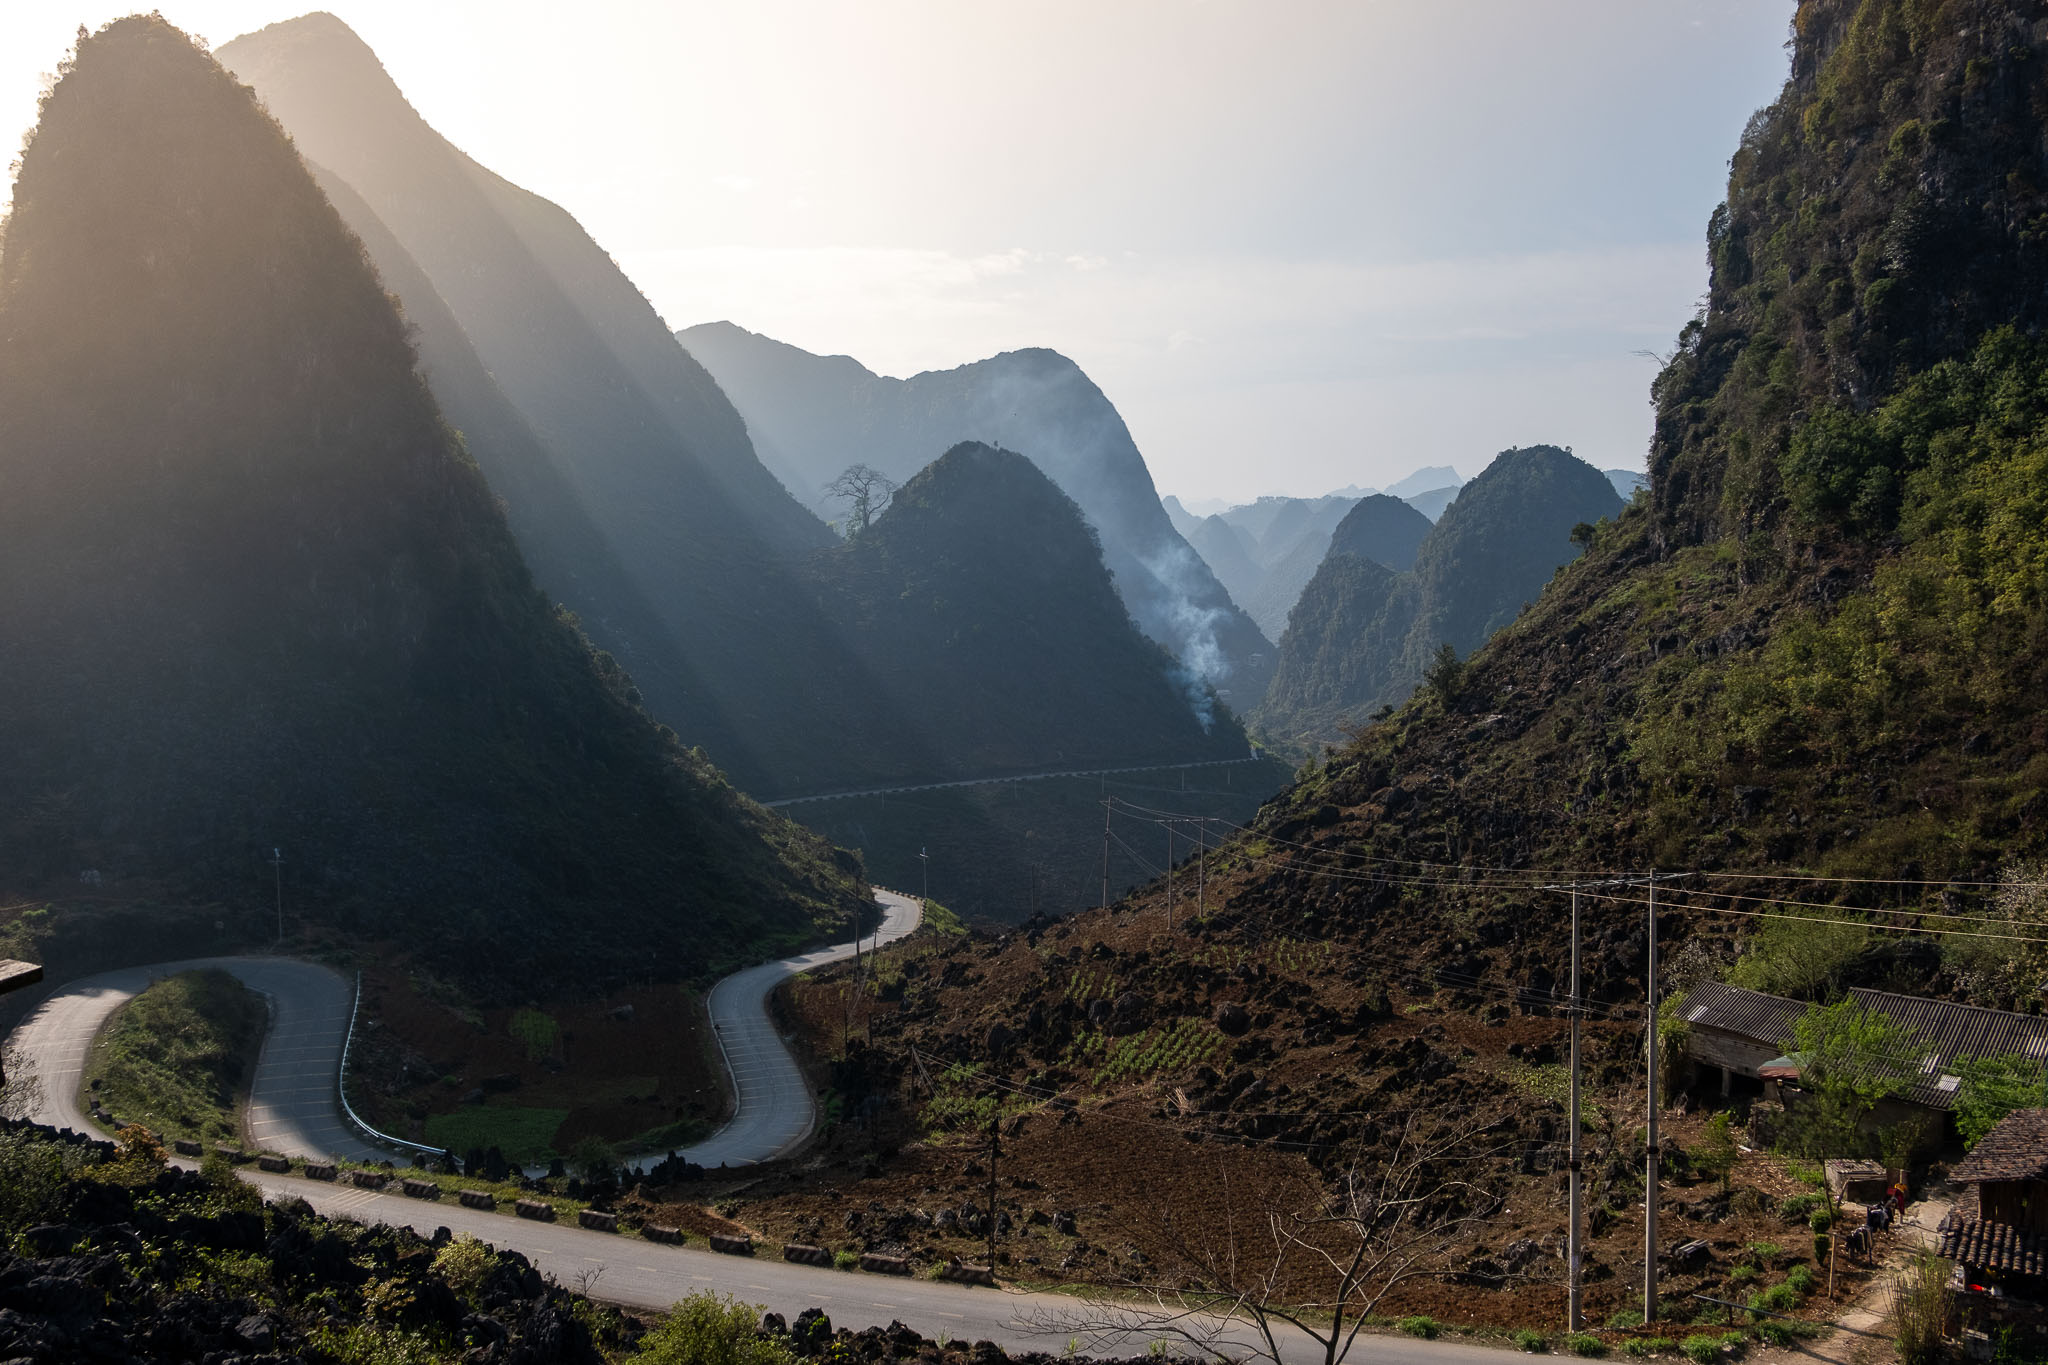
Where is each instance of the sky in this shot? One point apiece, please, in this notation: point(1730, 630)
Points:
point(1301, 244)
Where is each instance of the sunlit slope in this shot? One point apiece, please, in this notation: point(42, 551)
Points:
point(1363, 631)
point(256, 594)
point(630, 480)
point(1820, 645)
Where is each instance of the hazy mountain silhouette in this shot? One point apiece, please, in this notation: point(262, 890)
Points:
point(980, 592)
point(812, 416)
point(629, 477)
point(256, 594)
point(1433, 502)
point(1363, 632)
point(1428, 479)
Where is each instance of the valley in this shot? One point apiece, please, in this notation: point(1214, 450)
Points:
point(459, 724)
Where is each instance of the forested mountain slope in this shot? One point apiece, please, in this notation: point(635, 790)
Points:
point(980, 592)
point(256, 595)
point(813, 416)
point(629, 478)
point(1821, 646)
point(1364, 630)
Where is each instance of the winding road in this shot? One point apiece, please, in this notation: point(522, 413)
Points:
point(294, 1109)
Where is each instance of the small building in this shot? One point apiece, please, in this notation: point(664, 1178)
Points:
point(1739, 1039)
point(1997, 1233)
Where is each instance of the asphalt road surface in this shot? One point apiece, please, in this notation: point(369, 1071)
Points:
point(293, 1099)
point(294, 1110)
point(651, 1276)
point(773, 1109)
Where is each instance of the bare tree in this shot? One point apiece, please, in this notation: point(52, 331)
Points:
point(1317, 1270)
point(866, 491)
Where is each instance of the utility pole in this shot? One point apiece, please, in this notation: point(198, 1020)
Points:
point(1169, 874)
point(1105, 854)
point(1201, 869)
point(925, 857)
point(277, 872)
point(995, 1149)
point(1573, 1250)
point(1650, 1151)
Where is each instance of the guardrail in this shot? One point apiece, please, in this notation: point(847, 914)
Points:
point(341, 1087)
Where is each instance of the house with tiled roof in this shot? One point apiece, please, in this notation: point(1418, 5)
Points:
point(1998, 1232)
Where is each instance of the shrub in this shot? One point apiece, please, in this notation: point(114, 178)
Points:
point(1530, 1340)
point(1585, 1344)
point(1421, 1325)
point(1796, 1208)
point(463, 1265)
point(1776, 1333)
point(1701, 1348)
point(1920, 1305)
point(1779, 1298)
point(711, 1329)
point(1763, 1253)
point(1820, 1220)
point(1647, 1346)
point(846, 1260)
point(1821, 1243)
point(1627, 1319)
point(1742, 1274)
point(1801, 1280)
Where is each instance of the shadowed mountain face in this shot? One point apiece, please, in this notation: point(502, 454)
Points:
point(1364, 631)
point(981, 591)
point(256, 594)
point(813, 416)
point(629, 478)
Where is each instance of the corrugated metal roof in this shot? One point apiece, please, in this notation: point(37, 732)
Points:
point(1766, 1018)
point(1948, 1030)
point(1993, 1246)
point(1951, 1031)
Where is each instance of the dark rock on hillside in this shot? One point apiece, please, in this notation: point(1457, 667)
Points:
point(256, 595)
point(629, 478)
point(1363, 633)
point(813, 416)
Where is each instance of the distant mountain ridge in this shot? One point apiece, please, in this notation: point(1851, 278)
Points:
point(981, 591)
point(629, 477)
point(813, 416)
point(1363, 630)
point(257, 596)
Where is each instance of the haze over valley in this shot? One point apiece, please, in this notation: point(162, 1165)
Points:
point(627, 658)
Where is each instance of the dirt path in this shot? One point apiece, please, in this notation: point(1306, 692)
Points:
point(1863, 1332)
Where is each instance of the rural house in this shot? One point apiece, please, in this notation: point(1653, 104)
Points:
point(1739, 1039)
point(1995, 1233)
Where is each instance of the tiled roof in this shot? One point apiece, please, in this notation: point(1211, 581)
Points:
point(1993, 1246)
point(1948, 1030)
point(1766, 1018)
point(2017, 1149)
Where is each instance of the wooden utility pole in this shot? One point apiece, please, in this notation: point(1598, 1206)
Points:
point(1573, 1250)
point(1650, 1150)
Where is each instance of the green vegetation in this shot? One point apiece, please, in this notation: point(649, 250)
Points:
point(523, 1134)
point(1993, 1087)
point(1640, 1347)
point(176, 1056)
point(1585, 1344)
point(1185, 1044)
point(1362, 635)
point(1420, 1325)
point(1530, 1340)
point(1850, 1058)
point(939, 920)
point(1701, 1349)
point(708, 1329)
point(536, 1031)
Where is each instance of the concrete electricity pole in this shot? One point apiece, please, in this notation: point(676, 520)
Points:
point(1573, 1250)
point(277, 871)
point(1650, 1152)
